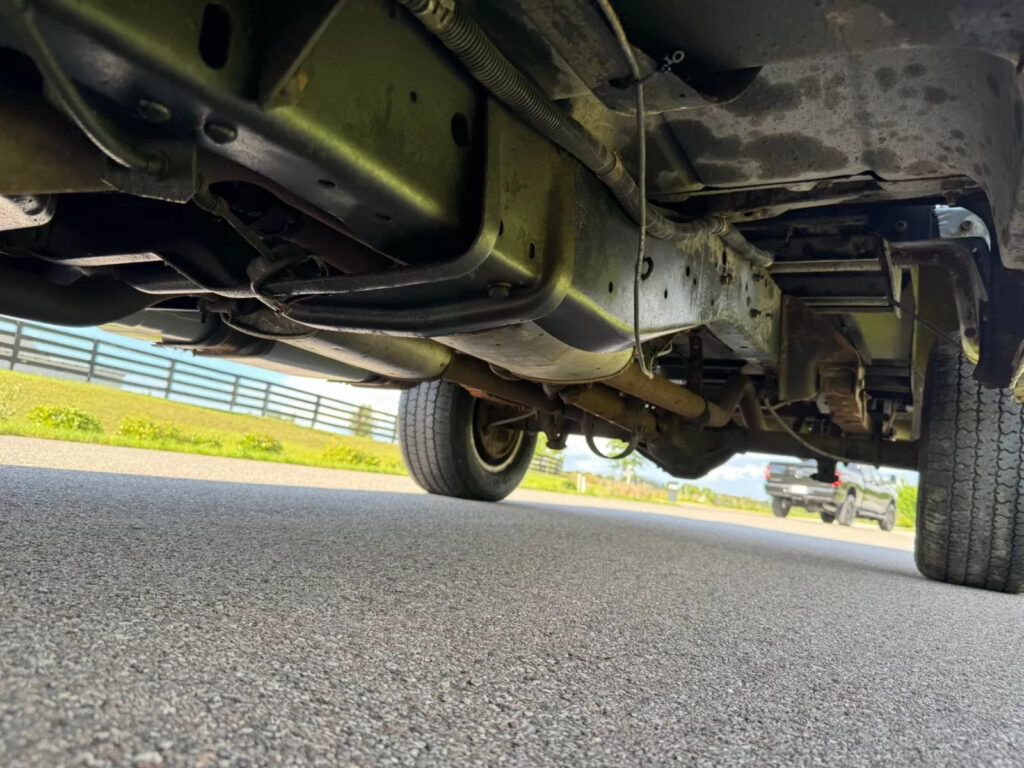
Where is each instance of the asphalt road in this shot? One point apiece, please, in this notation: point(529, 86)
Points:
point(150, 621)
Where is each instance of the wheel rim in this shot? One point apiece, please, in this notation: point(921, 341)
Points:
point(496, 447)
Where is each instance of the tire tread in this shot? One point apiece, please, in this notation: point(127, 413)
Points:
point(970, 527)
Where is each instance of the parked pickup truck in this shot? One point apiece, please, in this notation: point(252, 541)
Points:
point(858, 490)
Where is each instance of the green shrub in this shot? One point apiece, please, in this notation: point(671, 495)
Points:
point(64, 417)
point(162, 431)
point(144, 429)
point(337, 453)
point(201, 440)
point(355, 458)
point(256, 442)
point(906, 506)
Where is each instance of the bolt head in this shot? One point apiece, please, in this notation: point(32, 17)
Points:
point(966, 225)
point(153, 111)
point(220, 133)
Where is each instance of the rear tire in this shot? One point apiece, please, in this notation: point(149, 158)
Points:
point(888, 521)
point(970, 508)
point(847, 511)
point(781, 507)
point(446, 451)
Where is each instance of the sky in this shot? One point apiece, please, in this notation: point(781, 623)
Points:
point(743, 475)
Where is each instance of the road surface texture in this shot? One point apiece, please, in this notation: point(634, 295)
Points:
point(148, 621)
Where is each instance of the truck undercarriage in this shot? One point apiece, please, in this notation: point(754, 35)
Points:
point(814, 200)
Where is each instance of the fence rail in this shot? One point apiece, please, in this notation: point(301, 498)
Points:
point(547, 463)
point(36, 348)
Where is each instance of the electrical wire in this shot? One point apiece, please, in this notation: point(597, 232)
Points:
point(792, 433)
point(588, 435)
point(230, 322)
point(953, 339)
point(641, 140)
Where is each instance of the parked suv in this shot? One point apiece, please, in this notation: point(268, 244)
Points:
point(858, 490)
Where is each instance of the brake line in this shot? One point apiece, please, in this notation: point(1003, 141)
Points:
point(806, 444)
point(641, 142)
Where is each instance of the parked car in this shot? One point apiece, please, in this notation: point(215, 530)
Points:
point(858, 490)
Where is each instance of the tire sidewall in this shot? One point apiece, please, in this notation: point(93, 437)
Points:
point(847, 512)
point(888, 521)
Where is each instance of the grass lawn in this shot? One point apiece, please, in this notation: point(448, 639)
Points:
point(21, 392)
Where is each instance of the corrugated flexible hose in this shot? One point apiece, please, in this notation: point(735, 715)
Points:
point(463, 37)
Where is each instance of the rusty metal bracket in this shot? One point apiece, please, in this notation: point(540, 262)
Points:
point(609, 405)
point(843, 388)
point(816, 359)
point(480, 381)
point(954, 257)
point(177, 183)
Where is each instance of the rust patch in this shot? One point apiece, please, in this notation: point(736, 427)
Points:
point(885, 77)
point(935, 95)
point(764, 98)
point(881, 160)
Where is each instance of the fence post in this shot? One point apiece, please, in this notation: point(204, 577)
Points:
point(16, 346)
point(170, 379)
point(266, 398)
point(316, 411)
point(234, 394)
point(361, 421)
point(92, 361)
